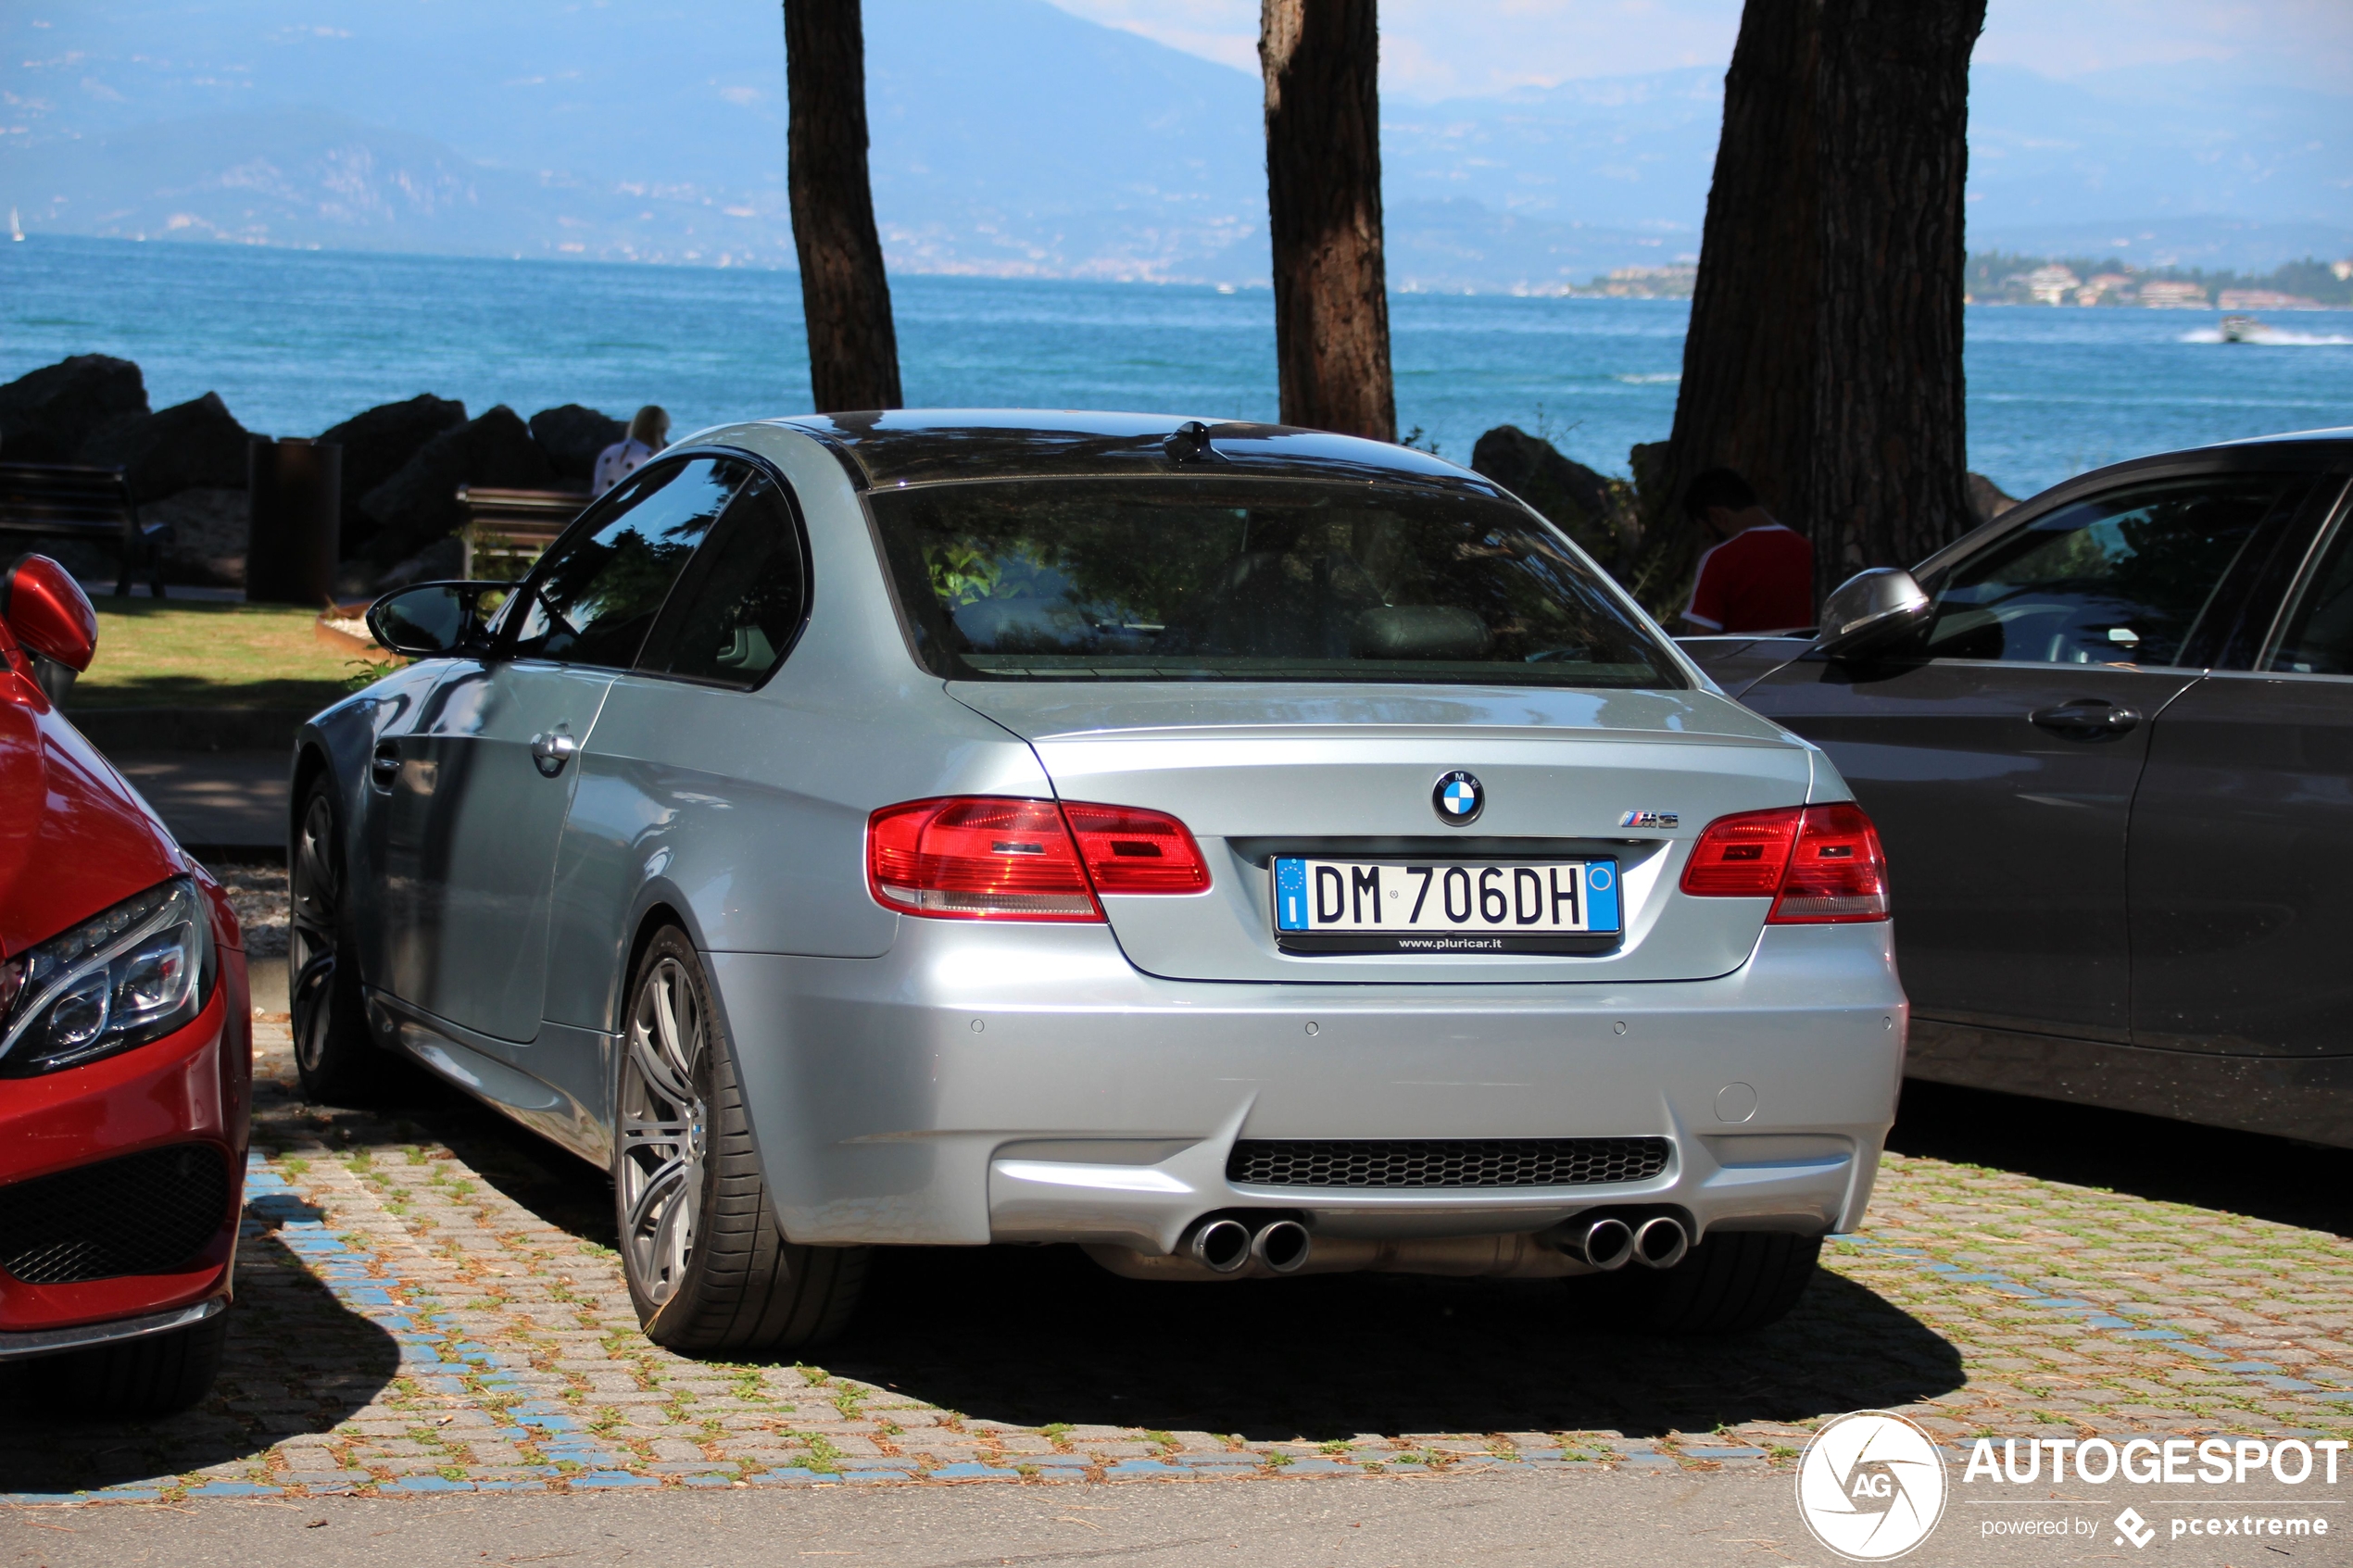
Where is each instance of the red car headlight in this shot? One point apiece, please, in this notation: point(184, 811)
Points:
point(125, 977)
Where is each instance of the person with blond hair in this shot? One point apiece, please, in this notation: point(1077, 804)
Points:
point(649, 433)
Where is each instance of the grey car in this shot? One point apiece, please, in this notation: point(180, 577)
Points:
point(1238, 850)
point(2109, 740)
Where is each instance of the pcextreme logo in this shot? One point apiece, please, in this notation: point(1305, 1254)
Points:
point(1871, 1486)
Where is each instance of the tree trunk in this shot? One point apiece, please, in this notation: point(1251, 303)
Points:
point(1888, 480)
point(1823, 360)
point(1321, 60)
point(1747, 393)
point(845, 294)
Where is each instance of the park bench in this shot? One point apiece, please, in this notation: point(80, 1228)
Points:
point(506, 529)
point(73, 501)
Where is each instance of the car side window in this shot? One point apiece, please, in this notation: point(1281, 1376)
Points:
point(735, 614)
point(595, 598)
point(2128, 577)
point(2319, 637)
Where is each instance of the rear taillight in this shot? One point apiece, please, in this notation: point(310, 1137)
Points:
point(987, 857)
point(977, 859)
point(1821, 865)
point(1127, 850)
point(1837, 874)
point(1742, 857)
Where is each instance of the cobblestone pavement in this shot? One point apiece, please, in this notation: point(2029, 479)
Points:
point(429, 1301)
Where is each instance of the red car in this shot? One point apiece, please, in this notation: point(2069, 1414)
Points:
point(126, 1054)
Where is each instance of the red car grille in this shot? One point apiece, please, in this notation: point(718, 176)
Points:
point(146, 1214)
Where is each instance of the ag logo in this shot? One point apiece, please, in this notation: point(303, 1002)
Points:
point(1870, 1486)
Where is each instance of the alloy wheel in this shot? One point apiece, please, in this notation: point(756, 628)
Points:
point(661, 1127)
point(316, 911)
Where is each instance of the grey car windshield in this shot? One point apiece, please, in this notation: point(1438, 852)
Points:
point(1209, 579)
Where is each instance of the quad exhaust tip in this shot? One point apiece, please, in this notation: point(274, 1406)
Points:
point(1660, 1242)
point(1610, 1243)
point(1281, 1246)
point(1607, 1244)
point(1222, 1246)
point(1226, 1245)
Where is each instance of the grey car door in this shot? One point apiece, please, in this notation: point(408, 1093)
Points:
point(1998, 751)
point(681, 768)
point(2242, 843)
point(478, 792)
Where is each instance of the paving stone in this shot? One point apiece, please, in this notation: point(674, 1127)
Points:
point(432, 1291)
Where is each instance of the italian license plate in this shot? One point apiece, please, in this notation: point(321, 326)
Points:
point(1444, 907)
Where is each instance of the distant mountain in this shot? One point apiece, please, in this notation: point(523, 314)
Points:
point(1010, 138)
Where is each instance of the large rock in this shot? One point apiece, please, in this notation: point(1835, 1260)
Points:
point(1573, 496)
point(1986, 500)
point(572, 436)
point(191, 445)
point(375, 446)
point(46, 417)
point(206, 535)
point(439, 561)
point(419, 504)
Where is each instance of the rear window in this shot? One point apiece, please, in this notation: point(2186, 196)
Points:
point(1250, 580)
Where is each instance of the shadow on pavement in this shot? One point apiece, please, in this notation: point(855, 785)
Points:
point(298, 1361)
point(2264, 1178)
point(1034, 1334)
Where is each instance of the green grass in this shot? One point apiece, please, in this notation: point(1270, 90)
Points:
point(197, 654)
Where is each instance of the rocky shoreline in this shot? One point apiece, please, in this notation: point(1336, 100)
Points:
point(403, 462)
point(186, 467)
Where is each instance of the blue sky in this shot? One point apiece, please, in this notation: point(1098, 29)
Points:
point(1441, 48)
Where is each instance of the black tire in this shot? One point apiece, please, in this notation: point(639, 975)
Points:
point(708, 1264)
point(339, 1060)
point(136, 1379)
point(1733, 1283)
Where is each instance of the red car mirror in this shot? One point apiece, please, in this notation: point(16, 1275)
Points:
point(46, 610)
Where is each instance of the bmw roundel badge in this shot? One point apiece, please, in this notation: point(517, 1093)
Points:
point(1459, 797)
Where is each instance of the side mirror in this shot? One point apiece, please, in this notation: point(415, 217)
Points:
point(1869, 610)
point(47, 613)
point(432, 619)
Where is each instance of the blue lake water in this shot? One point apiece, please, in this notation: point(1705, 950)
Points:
point(295, 341)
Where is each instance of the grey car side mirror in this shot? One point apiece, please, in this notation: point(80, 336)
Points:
point(432, 619)
point(1869, 610)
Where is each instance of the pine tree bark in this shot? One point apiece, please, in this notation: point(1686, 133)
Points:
point(1889, 478)
point(845, 294)
point(1321, 60)
point(1823, 358)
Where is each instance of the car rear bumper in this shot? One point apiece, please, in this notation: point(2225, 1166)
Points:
point(998, 1084)
point(189, 1091)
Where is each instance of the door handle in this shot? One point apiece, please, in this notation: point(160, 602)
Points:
point(2086, 719)
point(551, 749)
point(384, 767)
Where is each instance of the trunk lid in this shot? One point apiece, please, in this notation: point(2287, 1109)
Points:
point(1258, 772)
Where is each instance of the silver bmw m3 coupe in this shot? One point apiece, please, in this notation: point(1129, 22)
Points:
point(1237, 850)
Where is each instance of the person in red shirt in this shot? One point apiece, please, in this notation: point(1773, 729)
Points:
point(1758, 576)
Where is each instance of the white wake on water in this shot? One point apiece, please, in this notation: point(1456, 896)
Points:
point(2272, 338)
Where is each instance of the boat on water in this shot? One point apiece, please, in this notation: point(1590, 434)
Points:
point(2241, 329)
